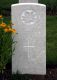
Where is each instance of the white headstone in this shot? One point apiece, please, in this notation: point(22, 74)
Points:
point(28, 1)
point(30, 23)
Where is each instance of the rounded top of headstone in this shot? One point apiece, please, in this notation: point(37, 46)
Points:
point(28, 1)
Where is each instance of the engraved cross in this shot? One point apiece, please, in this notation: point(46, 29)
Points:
point(29, 46)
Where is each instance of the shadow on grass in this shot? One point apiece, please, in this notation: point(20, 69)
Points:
point(19, 76)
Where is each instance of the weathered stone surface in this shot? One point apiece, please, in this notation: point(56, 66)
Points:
point(30, 53)
point(28, 1)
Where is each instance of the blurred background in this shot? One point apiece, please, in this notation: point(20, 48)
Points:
point(5, 6)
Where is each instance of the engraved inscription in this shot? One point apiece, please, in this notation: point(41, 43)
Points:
point(29, 17)
point(32, 56)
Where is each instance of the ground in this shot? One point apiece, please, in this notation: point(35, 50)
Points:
point(50, 75)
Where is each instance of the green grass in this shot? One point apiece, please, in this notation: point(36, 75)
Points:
point(51, 40)
point(7, 3)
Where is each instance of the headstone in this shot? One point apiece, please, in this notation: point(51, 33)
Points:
point(30, 23)
point(28, 1)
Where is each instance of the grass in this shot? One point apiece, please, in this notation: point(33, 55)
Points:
point(51, 39)
point(5, 4)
